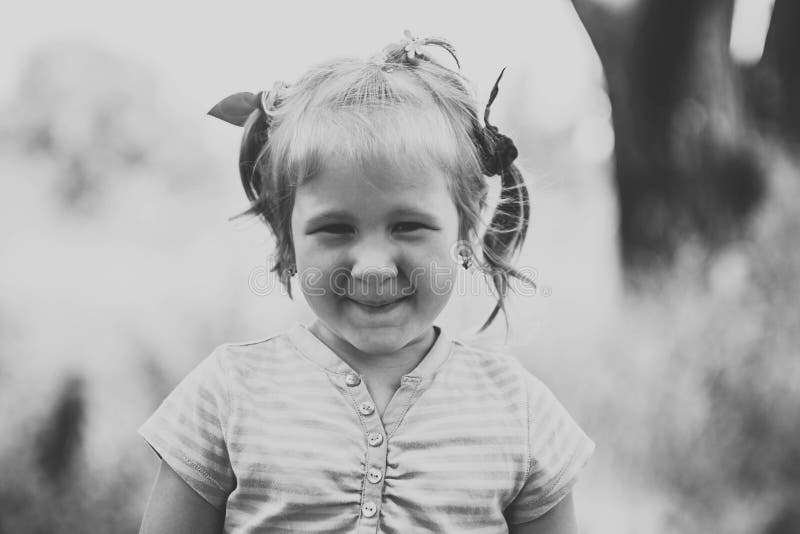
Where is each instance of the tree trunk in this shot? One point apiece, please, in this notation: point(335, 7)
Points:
point(682, 169)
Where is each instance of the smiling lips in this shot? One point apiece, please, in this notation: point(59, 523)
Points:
point(378, 304)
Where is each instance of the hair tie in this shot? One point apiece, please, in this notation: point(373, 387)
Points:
point(264, 101)
point(500, 149)
point(413, 48)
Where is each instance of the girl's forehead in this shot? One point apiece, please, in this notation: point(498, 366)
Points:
point(375, 183)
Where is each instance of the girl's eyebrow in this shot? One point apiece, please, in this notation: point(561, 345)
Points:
point(335, 215)
point(328, 216)
point(414, 213)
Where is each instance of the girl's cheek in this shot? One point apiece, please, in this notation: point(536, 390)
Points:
point(312, 252)
point(321, 269)
point(319, 281)
point(433, 275)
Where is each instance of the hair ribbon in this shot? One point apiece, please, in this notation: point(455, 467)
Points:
point(236, 108)
point(501, 151)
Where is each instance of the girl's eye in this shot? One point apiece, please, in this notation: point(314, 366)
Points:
point(405, 227)
point(335, 229)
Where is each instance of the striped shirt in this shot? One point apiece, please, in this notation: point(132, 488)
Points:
point(283, 435)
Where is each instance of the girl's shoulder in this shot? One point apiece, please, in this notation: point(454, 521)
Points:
point(470, 349)
point(244, 356)
point(472, 353)
point(270, 342)
point(499, 365)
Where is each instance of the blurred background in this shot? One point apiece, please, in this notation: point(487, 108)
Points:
point(659, 139)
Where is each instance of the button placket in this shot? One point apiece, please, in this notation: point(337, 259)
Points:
point(375, 443)
point(400, 404)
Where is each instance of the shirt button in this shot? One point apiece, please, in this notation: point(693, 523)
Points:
point(352, 380)
point(366, 408)
point(368, 509)
point(375, 439)
point(374, 475)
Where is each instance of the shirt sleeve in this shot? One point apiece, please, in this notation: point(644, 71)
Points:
point(187, 431)
point(558, 449)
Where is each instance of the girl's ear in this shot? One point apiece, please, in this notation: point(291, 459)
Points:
point(235, 109)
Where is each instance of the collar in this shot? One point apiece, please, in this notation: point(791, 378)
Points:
point(318, 352)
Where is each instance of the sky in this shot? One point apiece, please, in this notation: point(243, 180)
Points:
point(206, 50)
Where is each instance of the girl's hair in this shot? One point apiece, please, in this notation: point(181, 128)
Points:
point(400, 107)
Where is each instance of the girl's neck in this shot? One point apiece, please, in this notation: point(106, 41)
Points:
point(395, 364)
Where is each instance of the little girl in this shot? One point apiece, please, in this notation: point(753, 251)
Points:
point(370, 419)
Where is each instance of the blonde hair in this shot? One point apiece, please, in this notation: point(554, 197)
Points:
point(404, 109)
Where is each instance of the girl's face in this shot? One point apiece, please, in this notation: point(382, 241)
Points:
point(373, 247)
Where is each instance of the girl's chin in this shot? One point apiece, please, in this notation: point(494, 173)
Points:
point(379, 349)
point(374, 329)
point(377, 340)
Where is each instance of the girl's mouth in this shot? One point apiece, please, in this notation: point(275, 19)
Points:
point(379, 305)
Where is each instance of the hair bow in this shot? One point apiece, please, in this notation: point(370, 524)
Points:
point(235, 109)
point(501, 151)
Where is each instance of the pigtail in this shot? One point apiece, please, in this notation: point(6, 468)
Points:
point(508, 228)
point(248, 111)
point(255, 114)
point(254, 140)
point(505, 236)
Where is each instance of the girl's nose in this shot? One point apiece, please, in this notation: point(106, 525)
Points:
point(373, 264)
